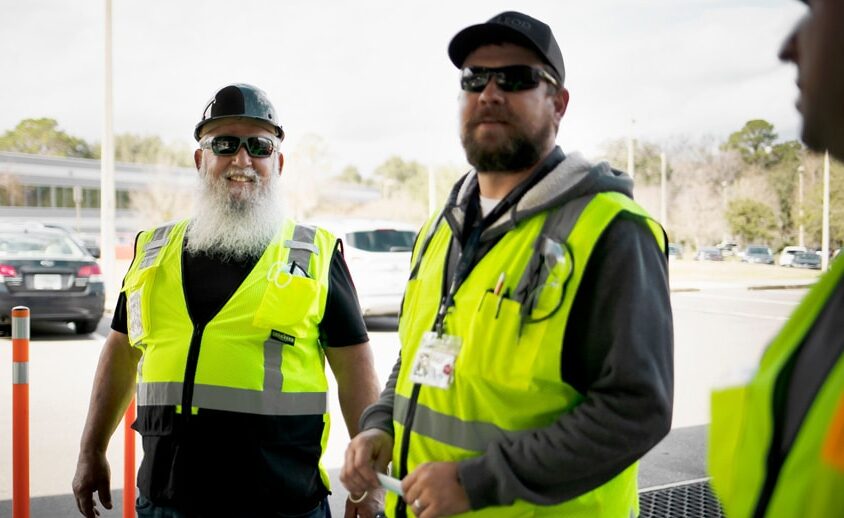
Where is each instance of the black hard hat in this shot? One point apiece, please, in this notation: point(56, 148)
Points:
point(240, 101)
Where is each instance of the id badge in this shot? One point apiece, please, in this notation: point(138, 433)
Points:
point(434, 362)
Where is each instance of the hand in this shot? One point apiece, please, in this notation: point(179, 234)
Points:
point(369, 452)
point(368, 508)
point(92, 474)
point(433, 490)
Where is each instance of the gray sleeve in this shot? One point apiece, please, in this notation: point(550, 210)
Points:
point(619, 355)
point(380, 414)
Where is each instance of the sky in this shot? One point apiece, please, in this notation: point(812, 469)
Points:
point(372, 79)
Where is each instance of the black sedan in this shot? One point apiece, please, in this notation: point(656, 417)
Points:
point(48, 271)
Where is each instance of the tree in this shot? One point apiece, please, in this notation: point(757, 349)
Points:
point(646, 160)
point(11, 191)
point(43, 137)
point(350, 174)
point(751, 220)
point(754, 141)
point(137, 149)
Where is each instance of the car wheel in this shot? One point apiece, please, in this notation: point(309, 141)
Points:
point(84, 327)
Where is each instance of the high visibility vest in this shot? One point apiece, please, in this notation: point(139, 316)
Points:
point(811, 479)
point(507, 374)
point(260, 354)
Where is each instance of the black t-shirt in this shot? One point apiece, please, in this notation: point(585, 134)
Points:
point(341, 325)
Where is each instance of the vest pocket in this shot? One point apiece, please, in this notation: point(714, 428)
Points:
point(137, 289)
point(287, 301)
point(493, 349)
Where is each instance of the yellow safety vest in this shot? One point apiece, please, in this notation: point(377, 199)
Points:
point(507, 374)
point(811, 480)
point(260, 354)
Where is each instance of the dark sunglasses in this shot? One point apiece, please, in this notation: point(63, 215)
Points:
point(226, 145)
point(514, 78)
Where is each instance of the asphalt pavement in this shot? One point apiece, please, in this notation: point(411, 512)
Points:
point(679, 458)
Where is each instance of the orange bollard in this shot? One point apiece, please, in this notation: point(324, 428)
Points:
point(129, 462)
point(20, 412)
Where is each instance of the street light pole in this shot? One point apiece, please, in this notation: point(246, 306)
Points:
point(631, 163)
point(825, 228)
point(107, 209)
point(663, 191)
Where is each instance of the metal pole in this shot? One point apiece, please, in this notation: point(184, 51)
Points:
point(631, 162)
point(107, 212)
point(800, 192)
point(825, 231)
point(20, 412)
point(663, 191)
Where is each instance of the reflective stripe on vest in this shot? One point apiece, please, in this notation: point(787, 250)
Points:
point(235, 400)
point(741, 430)
point(507, 375)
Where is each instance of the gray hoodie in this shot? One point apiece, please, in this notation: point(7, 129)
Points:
point(618, 353)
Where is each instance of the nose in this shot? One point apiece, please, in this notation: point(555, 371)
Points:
point(491, 93)
point(789, 51)
point(242, 158)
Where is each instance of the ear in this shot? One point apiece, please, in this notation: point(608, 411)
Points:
point(197, 158)
point(280, 163)
point(561, 102)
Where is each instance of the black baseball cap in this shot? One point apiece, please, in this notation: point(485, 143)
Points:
point(513, 27)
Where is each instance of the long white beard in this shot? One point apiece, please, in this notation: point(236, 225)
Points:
point(235, 225)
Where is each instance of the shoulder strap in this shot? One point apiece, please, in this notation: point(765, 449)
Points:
point(153, 247)
point(301, 246)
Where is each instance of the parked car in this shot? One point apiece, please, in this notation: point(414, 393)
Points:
point(759, 254)
point(807, 260)
point(50, 272)
point(675, 251)
point(728, 248)
point(709, 253)
point(788, 253)
point(378, 256)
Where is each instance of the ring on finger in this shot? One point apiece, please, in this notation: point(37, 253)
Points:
point(417, 504)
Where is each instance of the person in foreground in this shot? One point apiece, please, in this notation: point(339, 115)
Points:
point(777, 443)
point(224, 324)
point(536, 335)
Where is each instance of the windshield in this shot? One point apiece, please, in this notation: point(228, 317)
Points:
point(758, 250)
point(382, 240)
point(35, 244)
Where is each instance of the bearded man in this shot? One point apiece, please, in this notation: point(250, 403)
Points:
point(223, 324)
point(539, 298)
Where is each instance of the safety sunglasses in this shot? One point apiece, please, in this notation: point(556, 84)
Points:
point(513, 78)
point(227, 145)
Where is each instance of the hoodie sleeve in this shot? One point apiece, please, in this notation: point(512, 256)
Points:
point(619, 355)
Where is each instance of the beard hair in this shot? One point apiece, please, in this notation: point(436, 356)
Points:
point(235, 226)
point(516, 154)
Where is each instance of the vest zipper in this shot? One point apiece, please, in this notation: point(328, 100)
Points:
point(190, 371)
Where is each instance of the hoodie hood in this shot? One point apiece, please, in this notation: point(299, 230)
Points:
point(571, 178)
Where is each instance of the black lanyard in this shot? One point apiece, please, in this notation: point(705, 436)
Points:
point(470, 248)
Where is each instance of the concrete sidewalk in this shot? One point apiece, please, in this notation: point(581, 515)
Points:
point(679, 458)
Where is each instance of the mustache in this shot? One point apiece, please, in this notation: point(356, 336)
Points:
point(247, 172)
point(489, 115)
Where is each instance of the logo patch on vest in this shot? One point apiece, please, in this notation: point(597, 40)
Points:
point(283, 337)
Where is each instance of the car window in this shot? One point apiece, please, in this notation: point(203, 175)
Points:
point(35, 244)
point(757, 250)
point(381, 240)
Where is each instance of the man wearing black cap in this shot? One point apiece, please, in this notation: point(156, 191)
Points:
point(224, 323)
point(539, 300)
point(777, 443)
